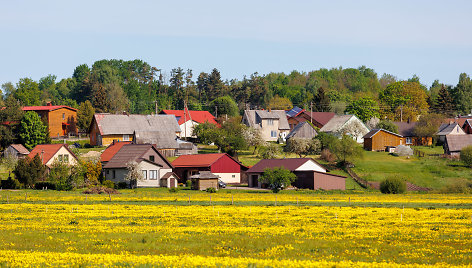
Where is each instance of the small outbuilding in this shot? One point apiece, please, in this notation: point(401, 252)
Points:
point(455, 143)
point(303, 130)
point(450, 129)
point(381, 139)
point(204, 180)
point(16, 151)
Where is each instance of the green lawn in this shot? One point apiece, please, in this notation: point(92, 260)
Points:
point(429, 171)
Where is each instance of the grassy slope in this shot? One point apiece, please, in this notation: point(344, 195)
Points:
point(429, 171)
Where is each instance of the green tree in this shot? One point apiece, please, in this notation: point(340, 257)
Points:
point(322, 102)
point(60, 176)
point(27, 92)
point(29, 171)
point(279, 103)
point(32, 130)
point(10, 117)
point(253, 138)
point(404, 101)
point(269, 151)
point(215, 85)
point(428, 125)
point(364, 108)
point(277, 178)
point(346, 149)
point(444, 103)
point(462, 94)
point(225, 105)
point(387, 125)
point(466, 155)
point(393, 185)
point(84, 115)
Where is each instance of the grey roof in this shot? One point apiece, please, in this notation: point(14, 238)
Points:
point(129, 153)
point(406, 129)
point(336, 123)
point(455, 143)
point(302, 130)
point(110, 124)
point(446, 129)
point(253, 118)
point(20, 148)
point(204, 175)
point(185, 145)
point(162, 139)
point(376, 130)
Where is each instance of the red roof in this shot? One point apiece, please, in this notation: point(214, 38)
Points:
point(111, 150)
point(196, 160)
point(47, 150)
point(321, 117)
point(46, 108)
point(288, 163)
point(197, 116)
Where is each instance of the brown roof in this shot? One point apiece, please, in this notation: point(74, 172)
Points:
point(373, 132)
point(47, 151)
point(201, 160)
point(455, 143)
point(406, 129)
point(111, 150)
point(169, 174)
point(129, 153)
point(321, 117)
point(289, 163)
point(20, 148)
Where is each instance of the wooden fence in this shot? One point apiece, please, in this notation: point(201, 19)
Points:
point(359, 180)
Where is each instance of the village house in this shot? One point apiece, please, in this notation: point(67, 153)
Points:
point(381, 140)
point(106, 128)
point(303, 130)
point(454, 144)
point(156, 170)
point(166, 142)
point(16, 151)
point(61, 120)
point(227, 168)
point(272, 124)
point(406, 130)
point(111, 150)
point(188, 119)
point(467, 126)
point(310, 174)
point(349, 125)
point(449, 129)
point(50, 153)
point(298, 115)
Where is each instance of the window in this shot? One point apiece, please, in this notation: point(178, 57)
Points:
point(114, 174)
point(233, 176)
point(273, 134)
point(153, 174)
point(151, 158)
point(108, 172)
point(63, 116)
point(408, 140)
point(145, 175)
point(125, 137)
point(59, 158)
point(270, 122)
point(66, 158)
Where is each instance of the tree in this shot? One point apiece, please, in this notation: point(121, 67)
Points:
point(10, 117)
point(225, 105)
point(466, 155)
point(444, 103)
point(277, 178)
point(428, 125)
point(303, 147)
point(253, 138)
point(117, 101)
point(462, 94)
point(364, 108)
point(279, 103)
point(27, 92)
point(205, 132)
point(346, 149)
point(134, 174)
point(84, 115)
point(387, 125)
point(29, 171)
point(372, 123)
point(404, 101)
point(393, 185)
point(59, 175)
point(269, 151)
point(8, 89)
point(215, 85)
point(32, 130)
point(322, 102)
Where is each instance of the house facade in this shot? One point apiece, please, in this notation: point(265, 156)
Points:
point(188, 119)
point(406, 130)
point(381, 139)
point(310, 174)
point(449, 129)
point(106, 128)
point(349, 125)
point(318, 119)
point(155, 169)
point(272, 124)
point(227, 168)
point(16, 151)
point(50, 153)
point(61, 120)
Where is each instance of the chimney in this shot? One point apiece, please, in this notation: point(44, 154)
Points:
point(48, 104)
point(42, 154)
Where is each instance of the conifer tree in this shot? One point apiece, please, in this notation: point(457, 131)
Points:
point(322, 103)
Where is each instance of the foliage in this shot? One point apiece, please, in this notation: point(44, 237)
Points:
point(466, 155)
point(173, 190)
point(277, 178)
point(462, 94)
point(226, 106)
point(372, 123)
point(346, 149)
point(210, 190)
point(327, 156)
point(229, 138)
point(10, 116)
point(428, 125)
point(444, 104)
point(92, 172)
point(404, 101)
point(29, 171)
point(32, 130)
point(364, 108)
point(279, 103)
point(205, 132)
point(108, 184)
point(10, 183)
point(84, 115)
point(322, 102)
point(387, 125)
point(253, 138)
point(60, 176)
point(393, 185)
point(27, 92)
point(134, 174)
point(325, 139)
point(303, 147)
point(269, 151)
point(9, 162)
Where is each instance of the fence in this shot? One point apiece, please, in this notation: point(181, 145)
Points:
point(359, 180)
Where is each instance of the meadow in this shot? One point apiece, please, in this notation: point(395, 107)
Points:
point(231, 228)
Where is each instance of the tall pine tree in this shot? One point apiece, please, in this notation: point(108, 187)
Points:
point(444, 103)
point(322, 103)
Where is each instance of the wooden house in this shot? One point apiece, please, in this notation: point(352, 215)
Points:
point(106, 128)
point(303, 130)
point(381, 139)
point(310, 174)
point(204, 180)
point(49, 153)
point(227, 168)
point(406, 129)
point(454, 144)
point(156, 170)
point(61, 120)
point(16, 151)
point(188, 119)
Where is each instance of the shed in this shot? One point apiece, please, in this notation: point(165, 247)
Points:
point(454, 143)
point(204, 180)
point(16, 151)
point(449, 129)
point(303, 130)
point(380, 139)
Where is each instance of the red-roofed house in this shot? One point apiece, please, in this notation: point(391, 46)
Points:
point(319, 119)
point(61, 120)
point(111, 150)
point(189, 119)
point(222, 165)
point(310, 174)
point(54, 152)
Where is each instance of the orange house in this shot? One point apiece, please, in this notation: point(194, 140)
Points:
point(61, 120)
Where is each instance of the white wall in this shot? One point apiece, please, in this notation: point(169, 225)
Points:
point(62, 151)
point(311, 166)
point(187, 126)
point(228, 177)
point(146, 166)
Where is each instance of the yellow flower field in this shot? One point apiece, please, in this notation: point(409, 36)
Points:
point(158, 228)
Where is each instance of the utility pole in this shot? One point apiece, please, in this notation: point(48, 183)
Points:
point(185, 120)
point(401, 113)
point(216, 111)
point(311, 112)
point(155, 102)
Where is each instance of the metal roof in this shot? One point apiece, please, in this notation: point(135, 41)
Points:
point(161, 139)
point(112, 124)
point(129, 153)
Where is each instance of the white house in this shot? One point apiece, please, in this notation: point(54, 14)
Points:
point(350, 125)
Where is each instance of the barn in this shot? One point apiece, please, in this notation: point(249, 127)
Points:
point(380, 139)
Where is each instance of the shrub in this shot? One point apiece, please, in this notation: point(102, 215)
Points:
point(45, 184)
point(270, 151)
point(100, 190)
point(109, 184)
point(462, 187)
point(10, 183)
point(466, 155)
point(122, 185)
point(189, 183)
point(210, 190)
point(173, 190)
point(393, 185)
point(277, 178)
point(328, 156)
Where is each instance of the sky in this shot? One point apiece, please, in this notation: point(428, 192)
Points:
point(431, 39)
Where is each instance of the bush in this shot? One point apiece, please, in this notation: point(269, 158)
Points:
point(109, 184)
point(173, 190)
point(87, 145)
point(45, 184)
point(122, 185)
point(393, 185)
point(189, 183)
point(328, 156)
point(466, 155)
point(100, 190)
point(211, 190)
point(277, 178)
point(10, 183)
point(462, 187)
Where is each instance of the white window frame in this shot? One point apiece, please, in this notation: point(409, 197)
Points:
point(125, 137)
point(153, 174)
point(273, 134)
point(408, 140)
point(144, 175)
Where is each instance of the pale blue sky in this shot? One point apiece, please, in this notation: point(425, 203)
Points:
point(432, 39)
